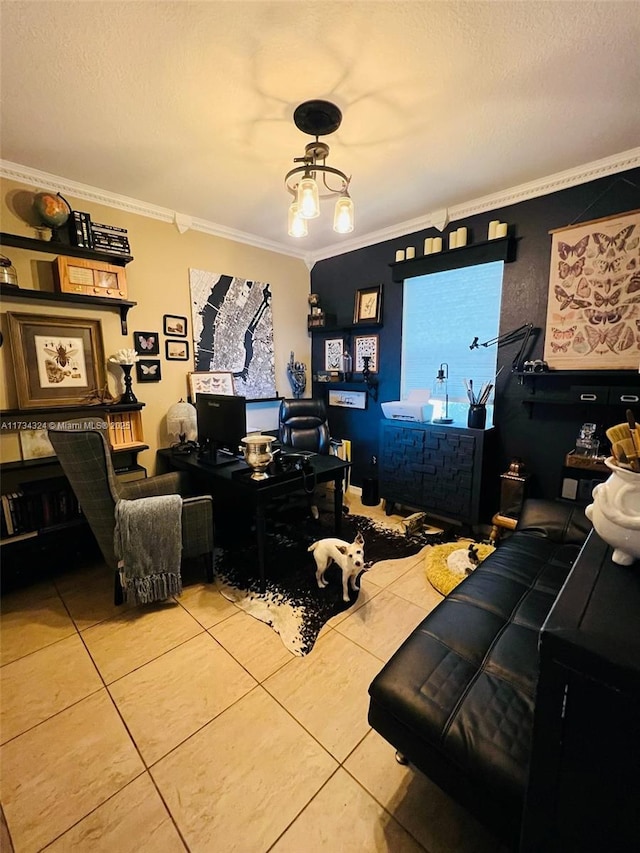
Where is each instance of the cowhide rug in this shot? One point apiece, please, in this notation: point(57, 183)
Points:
point(293, 604)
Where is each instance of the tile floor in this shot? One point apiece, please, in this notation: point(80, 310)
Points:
point(189, 726)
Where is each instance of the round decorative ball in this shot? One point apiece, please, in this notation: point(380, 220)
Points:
point(52, 210)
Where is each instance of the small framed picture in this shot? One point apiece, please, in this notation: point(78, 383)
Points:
point(146, 343)
point(176, 350)
point(367, 309)
point(211, 382)
point(148, 370)
point(333, 350)
point(365, 346)
point(348, 399)
point(35, 444)
point(175, 326)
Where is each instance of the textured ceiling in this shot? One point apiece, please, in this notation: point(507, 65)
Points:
point(188, 105)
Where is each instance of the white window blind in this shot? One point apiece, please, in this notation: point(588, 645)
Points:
point(441, 315)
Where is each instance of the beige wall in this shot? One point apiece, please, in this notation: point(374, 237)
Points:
point(158, 280)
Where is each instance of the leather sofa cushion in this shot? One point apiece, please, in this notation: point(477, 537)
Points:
point(462, 686)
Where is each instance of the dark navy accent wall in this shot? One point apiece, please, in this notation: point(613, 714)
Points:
point(541, 435)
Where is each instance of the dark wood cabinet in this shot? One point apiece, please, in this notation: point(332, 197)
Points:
point(437, 468)
point(584, 785)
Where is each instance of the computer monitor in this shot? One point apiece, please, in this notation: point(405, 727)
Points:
point(222, 424)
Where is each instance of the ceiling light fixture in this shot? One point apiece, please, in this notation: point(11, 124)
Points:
point(317, 118)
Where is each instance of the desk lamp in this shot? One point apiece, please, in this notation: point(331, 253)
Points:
point(182, 426)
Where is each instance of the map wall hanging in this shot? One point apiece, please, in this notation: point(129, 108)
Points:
point(593, 310)
point(233, 331)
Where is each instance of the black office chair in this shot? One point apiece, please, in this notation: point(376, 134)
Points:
point(303, 425)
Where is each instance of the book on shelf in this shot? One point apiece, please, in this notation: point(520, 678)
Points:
point(37, 505)
point(79, 227)
point(100, 226)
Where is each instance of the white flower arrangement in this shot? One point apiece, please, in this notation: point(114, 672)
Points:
point(124, 356)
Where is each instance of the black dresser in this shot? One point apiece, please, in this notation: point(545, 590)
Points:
point(439, 468)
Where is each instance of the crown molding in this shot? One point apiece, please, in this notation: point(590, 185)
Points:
point(45, 180)
point(533, 189)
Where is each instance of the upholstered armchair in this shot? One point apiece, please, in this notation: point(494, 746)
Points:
point(86, 461)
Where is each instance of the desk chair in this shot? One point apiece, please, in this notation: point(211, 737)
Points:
point(303, 426)
point(86, 461)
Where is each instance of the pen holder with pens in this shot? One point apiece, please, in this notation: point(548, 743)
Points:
point(477, 416)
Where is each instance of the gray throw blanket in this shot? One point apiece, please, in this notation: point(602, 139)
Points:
point(148, 545)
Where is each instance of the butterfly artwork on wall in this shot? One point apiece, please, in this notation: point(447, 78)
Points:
point(148, 370)
point(146, 343)
point(593, 308)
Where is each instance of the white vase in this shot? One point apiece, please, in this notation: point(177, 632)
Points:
point(615, 513)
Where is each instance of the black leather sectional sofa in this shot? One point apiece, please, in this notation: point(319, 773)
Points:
point(457, 698)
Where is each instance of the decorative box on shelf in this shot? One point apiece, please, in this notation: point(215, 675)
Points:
point(320, 320)
point(587, 463)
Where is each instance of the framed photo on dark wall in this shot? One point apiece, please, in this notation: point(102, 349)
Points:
point(367, 309)
point(365, 345)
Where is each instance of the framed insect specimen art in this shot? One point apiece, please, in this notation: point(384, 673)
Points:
point(593, 309)
point(367, 309)
point(148, 370)
point(365, 345)
point(211, 382)
point(146, 343)
point(333, 350)
point(58, 361)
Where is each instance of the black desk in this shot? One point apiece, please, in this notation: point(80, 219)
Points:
point(232, 482)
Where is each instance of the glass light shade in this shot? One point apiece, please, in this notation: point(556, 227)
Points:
point(343, 216)
point(182, 422)
point(297, 226)
point(308, 199)
point(440, 396)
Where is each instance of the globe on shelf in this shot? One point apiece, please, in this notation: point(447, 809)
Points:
point(52, 209)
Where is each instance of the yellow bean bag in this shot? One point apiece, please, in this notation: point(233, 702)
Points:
point(445, 574)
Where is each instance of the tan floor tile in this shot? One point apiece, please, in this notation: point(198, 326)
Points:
point(387, 571)
point(28, 696)
point(88, 595)
point(135, 820)
point(383, 624)
point(367, 592)
point(32, 618)
point(253, 644)
point(343, 818)
point(204, 603)
point(327, 692)
point(239, 781)
point(170, 698)
point(122, 644)
point(56, 773)
point(439, 823)
point(414, 586)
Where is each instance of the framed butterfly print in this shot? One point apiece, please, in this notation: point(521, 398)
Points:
point(174, 325)
point(148, 370)
point(146, 343)
point(593, 308)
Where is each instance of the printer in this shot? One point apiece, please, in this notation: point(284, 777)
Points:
point(416, 407)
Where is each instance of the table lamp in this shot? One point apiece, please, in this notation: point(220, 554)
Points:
point(182, 426)
point(441, 393)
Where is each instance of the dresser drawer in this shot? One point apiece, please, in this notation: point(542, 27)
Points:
point(588, 394)
point(625, 396)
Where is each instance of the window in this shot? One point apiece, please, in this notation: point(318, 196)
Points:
point(441, 315)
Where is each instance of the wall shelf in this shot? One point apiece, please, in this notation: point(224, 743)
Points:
point(346, 329)
point(52, 247)
point(122, 305)
point(502, 249)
